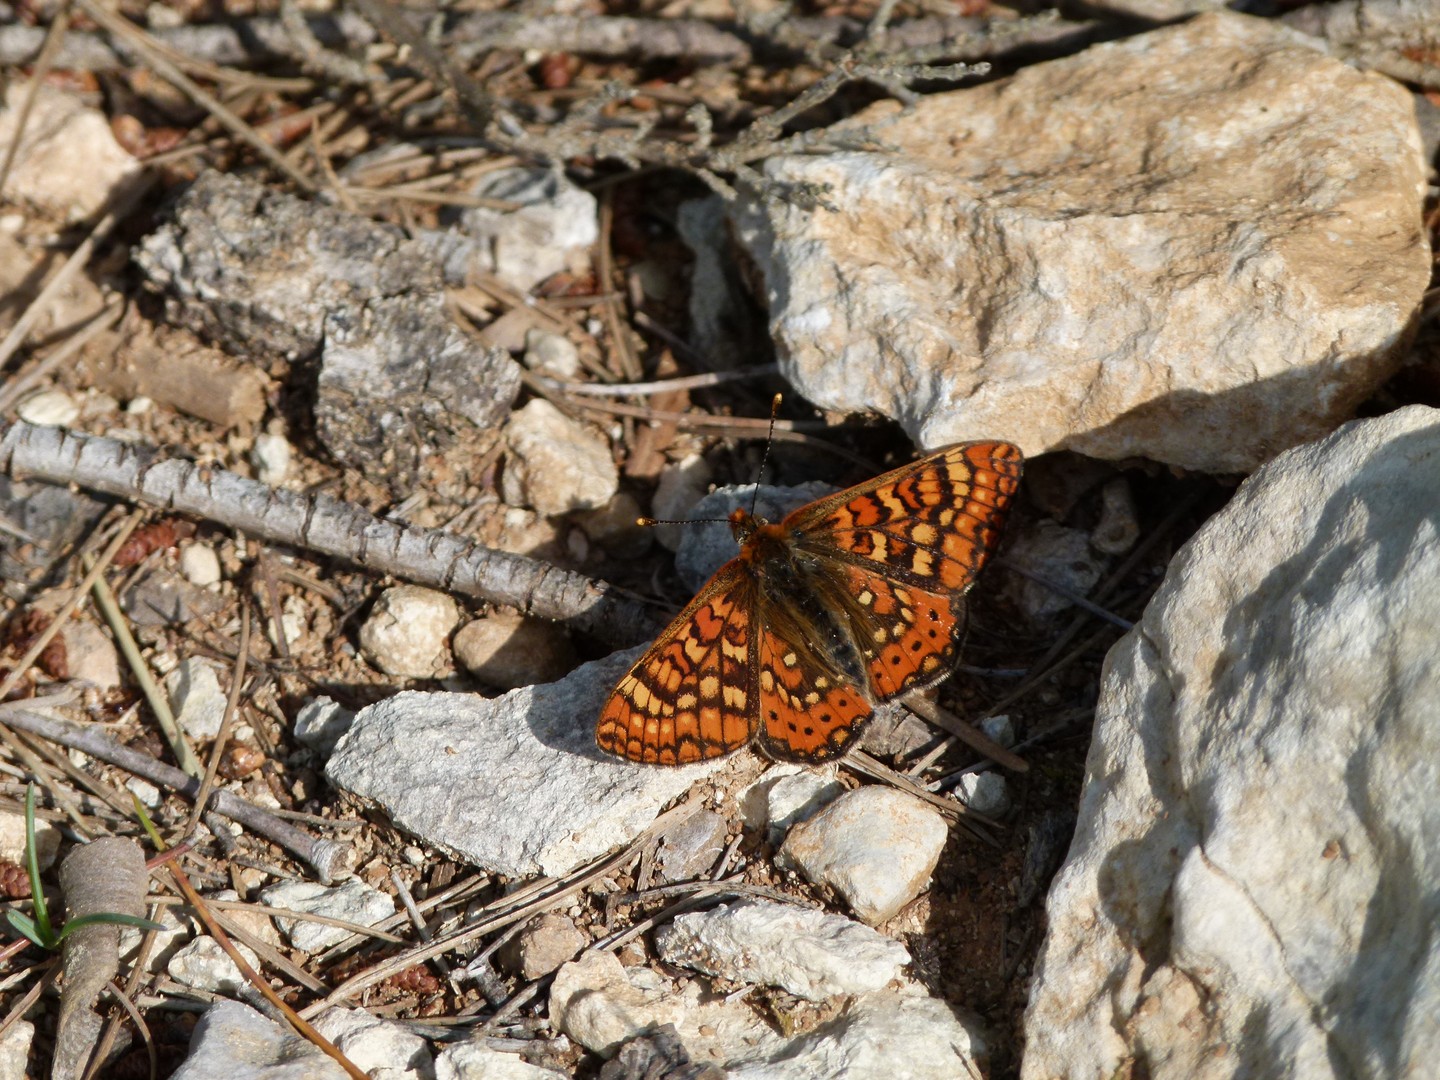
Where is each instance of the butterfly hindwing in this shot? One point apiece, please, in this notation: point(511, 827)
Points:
point(692, 695)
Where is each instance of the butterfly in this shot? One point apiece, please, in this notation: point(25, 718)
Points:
point(848, 601)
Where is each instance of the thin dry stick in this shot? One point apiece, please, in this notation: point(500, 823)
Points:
point(232, 704)
point(322, 524)
point(159, 702)
point(656, 386)
point(153, 55)
point(120, 205)
point(966, 733)
point(329, 858)
point(53, 37)
point(18, 386)
point(862, 763)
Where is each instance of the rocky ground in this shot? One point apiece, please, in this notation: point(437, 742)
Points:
point(343, 350)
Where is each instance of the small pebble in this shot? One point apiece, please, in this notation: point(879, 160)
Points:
point(548, 942)
point(551, 354)
point(353, 901)
point(49, 408)
point(556, 464)
point(320, 723)
point(810, 953)
point(407, 631)
point(875, 846)
point(196, 698)
point(985, 793)
point(271, 456)
point(204, 965)
point(200, 565)
point(797, 797)
point(506, 650)
point(999, 729)
point(1061, 556)
point(1119, 526)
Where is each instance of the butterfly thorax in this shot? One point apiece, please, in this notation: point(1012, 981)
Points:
point(759, 540)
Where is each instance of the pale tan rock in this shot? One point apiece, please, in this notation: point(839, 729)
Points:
point(556, 464)
point(1201, 245)
point(1251, 889)
point(508, 650)
point(408, 631)
point(68, 163)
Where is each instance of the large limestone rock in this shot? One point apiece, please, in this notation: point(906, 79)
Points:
point(1252, 886)
point(1200, 245)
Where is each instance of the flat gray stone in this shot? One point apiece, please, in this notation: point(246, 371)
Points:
point(236, 1042)
point(513, 784)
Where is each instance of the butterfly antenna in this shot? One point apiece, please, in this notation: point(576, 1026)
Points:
point(769, 442)
point(647, 522)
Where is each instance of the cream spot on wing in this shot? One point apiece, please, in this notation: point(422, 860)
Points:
point(790, 659)
point(866, 598)
point(923, 533)
point(709, 687)
point(767, 680)
point(734, 697)
point(922, 562)
point(686, 702)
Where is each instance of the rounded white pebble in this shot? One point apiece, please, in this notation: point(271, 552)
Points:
point(49, 408)
point(200, 565)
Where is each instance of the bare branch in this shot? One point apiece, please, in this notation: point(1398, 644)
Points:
point(325, 525)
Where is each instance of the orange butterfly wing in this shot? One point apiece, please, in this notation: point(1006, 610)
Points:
point(898, 552)
point(691, 696)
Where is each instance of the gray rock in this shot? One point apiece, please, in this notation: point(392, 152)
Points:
point(900, 1034)
point(353, 901)
point(602, 1005)
point(320, 723)
point(875, 846)
point(270, 275)
point(1214, 301)
point(196, 698)
point(162, 597)
point(553, 229)
point(514, 784)
point(234, 1041)
point(476, 1061)
point(1058, 555)
point(1250, 890)
point(690, 848)
point(807, 952)
point(381, 1048)
point(204, 965)
point(797, 797)
point(986, 793)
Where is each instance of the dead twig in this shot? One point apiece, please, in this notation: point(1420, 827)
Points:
point(328, 858)
point(327, 526)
